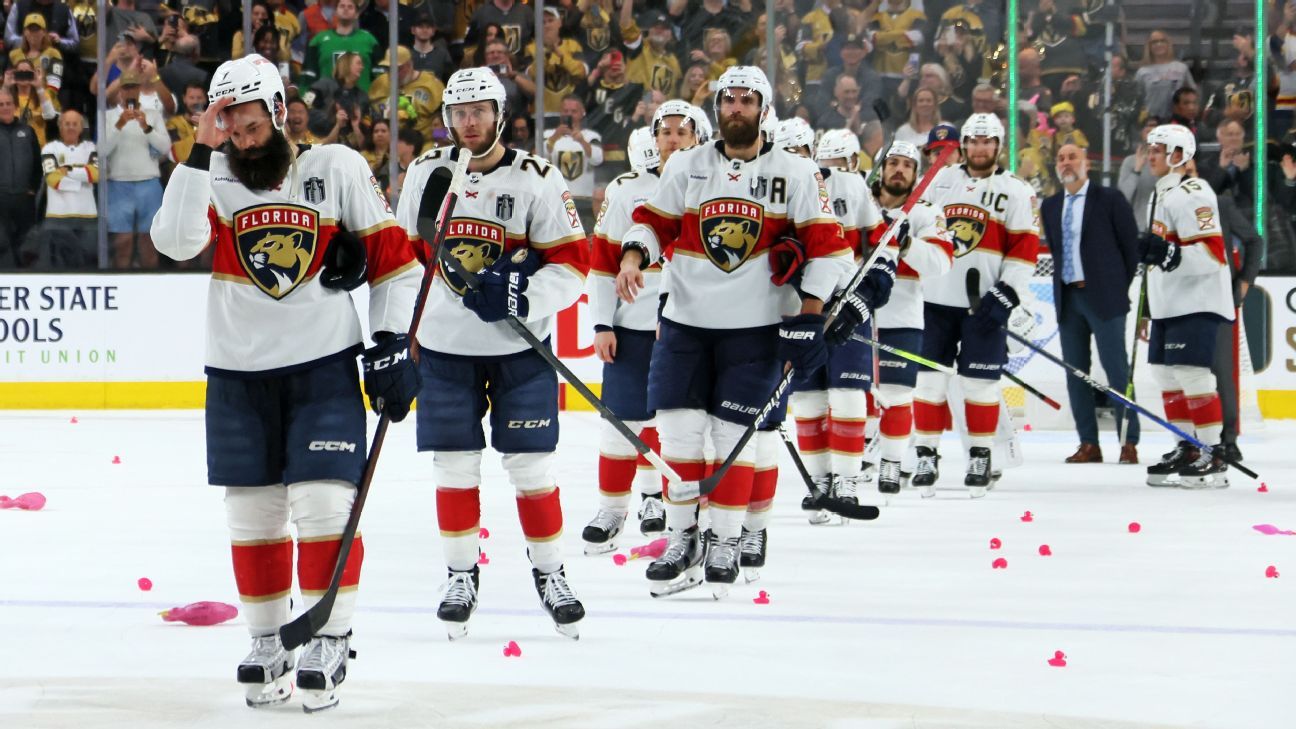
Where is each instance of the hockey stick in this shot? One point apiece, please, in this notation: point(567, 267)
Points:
point(905, 354)
point(708, 484)
point(1031, 389)
point(821, 500)
point(1138, 318)
point(304, 627)
point(973, 285)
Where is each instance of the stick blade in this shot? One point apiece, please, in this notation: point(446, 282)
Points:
point(298, 631)
point(860, 512)
point(438, 185)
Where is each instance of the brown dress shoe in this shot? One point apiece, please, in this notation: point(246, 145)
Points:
point(1129, 454)
point(1086, 453)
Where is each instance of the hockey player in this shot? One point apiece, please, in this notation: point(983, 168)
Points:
point(1189, 297)
point(926, 253)
point(716, 212)
point(285, 417)
point(517, 228)
point(624, 333)
point(992, 219)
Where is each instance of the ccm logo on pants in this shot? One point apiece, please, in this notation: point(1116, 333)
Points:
point(331, 445)
point(516, 424)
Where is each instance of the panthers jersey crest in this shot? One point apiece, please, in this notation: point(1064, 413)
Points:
point(474, 245)
point(730, 229)
point(967, 225)
point(275, 245)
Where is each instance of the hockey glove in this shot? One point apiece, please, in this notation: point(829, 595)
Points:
point(996, 306)
point(875, 289)
point(902, 233)
point(501, 288)
point(786, 257)
point(853, 313)
point(1021, 322)
point(345, 262)
point(801, 342)
point(391, 377)
point(1157, 251)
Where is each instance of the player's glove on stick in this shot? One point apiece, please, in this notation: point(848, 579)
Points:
point(786, 258)
point(345, 262)
point(1157, 251)
point(391, 377)
point(872, 293)
point(801, 342)
point(501, 289)
point(996, 306)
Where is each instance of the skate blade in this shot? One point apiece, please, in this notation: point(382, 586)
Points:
point(593, 549)
point(1202, 483)
point(687, 581)
point(317, 701)
point(751, 574)
point(820, 518)
point(976, 492)
point(570, 630)
point(927, 492)
point(455, 631)
point(1166, 481)
point(265, 695)
point(720, 590)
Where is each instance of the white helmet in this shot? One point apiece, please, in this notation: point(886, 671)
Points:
point(745, 77)
point(904, 149)
point(793, 133)
point(250, 78)
point(839, 144)
point(701, 124)
point(768, 125)
point(982, 125)
point(674, 107)
point(474, 84)
point(642, 150)
point(1174, 136)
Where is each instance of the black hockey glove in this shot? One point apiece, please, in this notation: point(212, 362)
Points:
point(501, 288)
point(872, 293)
point(391, 377)
point(786, 257)
point(345, 262)
point(852, 314)
point(801, 342)
point(902, 233)
point(1157, 251)
point(996, 306)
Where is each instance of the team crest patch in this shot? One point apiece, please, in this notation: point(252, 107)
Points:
point(275, 245)
point(378, 190)
point(967, 225)
point(1205, 218)
point(474, 245)
point(824, 204)
point(730, 229)
point(504, 207)
point(313, 190)
point(573, 217)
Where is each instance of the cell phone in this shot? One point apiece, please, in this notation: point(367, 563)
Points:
point(24, 75)
point(173, 21)
point(565, 120)
point(133, 105)
point(499, 68)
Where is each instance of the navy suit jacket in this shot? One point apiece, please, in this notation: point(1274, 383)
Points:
point(1108, 248)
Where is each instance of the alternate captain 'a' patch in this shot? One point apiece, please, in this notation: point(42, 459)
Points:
point(967, 225)
point(730, 229)
point(473, 244)
point(276, 244)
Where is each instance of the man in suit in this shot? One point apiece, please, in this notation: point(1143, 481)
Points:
point(1093, 236)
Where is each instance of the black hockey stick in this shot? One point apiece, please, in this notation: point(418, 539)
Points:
point(973, 284)
point(819, 499)
point(1138, 319)
point(304, 627)
point(708, 484)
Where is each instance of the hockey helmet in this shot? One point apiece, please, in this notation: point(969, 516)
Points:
point(839, 144)
point(745, 77)
point(250, 78)
point(642, 151)
point(475, 84)
point(701, 124)
point(794, 133)
point(983, 125)
point(904, 149)
point(768, 125)
point(674, 107)
point(1174, 136)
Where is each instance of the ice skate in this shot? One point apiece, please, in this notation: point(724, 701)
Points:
point(601, 534)
point(459, 602)
point(978, 472)
point(322, 671)
point(652, 515)
point(751, 556)
point(926, 472)
point(823, 486)
point(559, 601)
point(889, 477)
point(846, 491)
point(266, 672)
point(722, 565)
point(1166, 473)
point(680, 566)
point(1208, 471)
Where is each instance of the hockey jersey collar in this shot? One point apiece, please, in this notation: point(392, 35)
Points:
point(505, 161)
point(764, 150)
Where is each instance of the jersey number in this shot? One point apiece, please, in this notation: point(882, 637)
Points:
point(538, 167)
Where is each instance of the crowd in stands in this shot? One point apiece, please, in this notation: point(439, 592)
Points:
point(884, 69)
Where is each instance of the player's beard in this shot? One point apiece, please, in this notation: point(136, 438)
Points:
point(263, 167)
point(900, 191)
point(739, 132)
point(989, 165)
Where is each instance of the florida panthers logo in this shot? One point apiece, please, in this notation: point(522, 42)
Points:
point(730, 230)
point(967, 226)
point(474, 245)
point(276, 244)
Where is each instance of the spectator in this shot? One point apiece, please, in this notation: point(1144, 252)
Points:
point(933, 76)
point(173, 29)
point(984, 22)
point(1092, 232)
point(182, 70)
point(1030, 82)
point(1136, 179)
point(38, 47)
point(716, 46)
point(285, 21)
point(1233, 99)
point(652, 64)
point(695, 17)
point(596, 31)
point(787, 68)
point(516, 21)
point(266, 43)
point(345, 35)
point(938, 139)
point(125, 57)
point(125, 18)
point(58, 21)
point(695, 88)
point(564, 72)
point(923, 117)
point(71, 170)
point(845, 111)
point(1161, 74)
point(576, 151)
point(133, 141)
point(346, 129)
point(182, 127)
point(1126, 108)
point(519, 89)
point(1228, 171)
point(853, 50)
point(475, 55)
point(985, 100)
point(520, 134)
point(1283, 43)
point(871, 139)
point(340, 90)
point(261, 14)
point(409, 145)
point(420, 94)
point(376, 147)
point(962, 55)
point(297, 125)
point(20, 170)
point(430, 50)
point(1185, 109)
point(1057, 34)
point(36, 105)
point(897, 41)
point(616, 106)
point(318, 18)
point(375, 20)
point(1063, 117)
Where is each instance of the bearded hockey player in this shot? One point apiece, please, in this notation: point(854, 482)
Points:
point(716, 212)
point(516, 226)
point(1189, 297)
point(992, 219)
point(285, 416)
point(925, 254)
point(624, 333)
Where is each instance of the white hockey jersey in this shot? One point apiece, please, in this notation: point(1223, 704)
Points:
point(716, 218)
point(266, 309)
point(928, 255)
point(576, 167)
point(858, 213)
point(626, 193)
point(993, 223)
point(70, 174)
point(522, 202)
point(1187, 213)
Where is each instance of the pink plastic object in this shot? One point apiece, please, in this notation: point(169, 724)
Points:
point(145, 584)
point(73, 420)
point(1045, 551)
point(762, 598)
point(30, 501)
point(483, 559)
point(1028, 517)
point(1058, 660)
point(201, 613)
point(1264, 488)
point(512, 650)
point(619, 559)
point(116, 460)
point(483, 533)
point(1271, 572)
point(1026, 427)
point(995, 543)
point(1135, 527)
point(653, 549)
point(1000, 564)
point(1271, 530)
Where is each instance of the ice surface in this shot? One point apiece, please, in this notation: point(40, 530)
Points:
point(899, 622)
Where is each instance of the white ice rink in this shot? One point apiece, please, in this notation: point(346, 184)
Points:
point(900, 622)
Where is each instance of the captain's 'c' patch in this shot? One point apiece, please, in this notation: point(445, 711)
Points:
point(275, 245)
